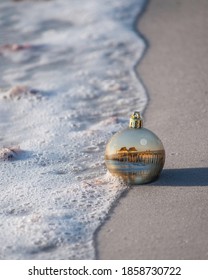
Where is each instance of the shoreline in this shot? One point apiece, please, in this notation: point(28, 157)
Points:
point(58, 191)
point(170, 215)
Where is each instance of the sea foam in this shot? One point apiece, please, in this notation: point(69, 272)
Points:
point(80, 58)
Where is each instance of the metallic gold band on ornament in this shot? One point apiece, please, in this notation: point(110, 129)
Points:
point(135, 120)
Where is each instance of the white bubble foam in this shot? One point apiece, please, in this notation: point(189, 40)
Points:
point(82, 56)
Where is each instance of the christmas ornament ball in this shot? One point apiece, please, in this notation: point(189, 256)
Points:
point(135, 154)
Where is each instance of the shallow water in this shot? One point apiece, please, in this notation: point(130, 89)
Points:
point(80, 57)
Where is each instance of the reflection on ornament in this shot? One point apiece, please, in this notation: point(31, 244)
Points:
point(135, 154)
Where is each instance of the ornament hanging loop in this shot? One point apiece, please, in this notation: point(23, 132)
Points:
point(135, 120)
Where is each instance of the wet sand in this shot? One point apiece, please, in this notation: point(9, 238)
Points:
point(168, 219)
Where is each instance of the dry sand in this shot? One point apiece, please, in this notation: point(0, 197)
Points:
point(168, 219)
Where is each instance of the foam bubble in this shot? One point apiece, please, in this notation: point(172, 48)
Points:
point(55, 197)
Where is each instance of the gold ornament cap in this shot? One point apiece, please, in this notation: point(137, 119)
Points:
point(136, 120)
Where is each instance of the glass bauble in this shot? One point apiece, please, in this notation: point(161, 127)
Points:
point(135, 154)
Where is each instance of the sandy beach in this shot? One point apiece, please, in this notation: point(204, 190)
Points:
point(168, 219)
point(67, 84)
